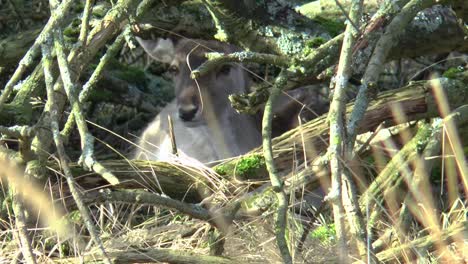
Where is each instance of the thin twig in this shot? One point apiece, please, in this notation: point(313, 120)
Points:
point(172, 136)
point(152, 199)
point(338, 196)
point(95, 77)
point(368, 141)
point(87, 140)
point(216, 59)
point(29, 57)
point(20, 221)
point(85, 23)
point(355, 23)
point(47, 54)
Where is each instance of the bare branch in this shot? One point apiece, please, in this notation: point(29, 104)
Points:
point(282, 210)
point(47, 54)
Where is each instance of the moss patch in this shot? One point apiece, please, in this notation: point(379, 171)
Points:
point(333, 27)
point(312, 44)
point(100, 10)
point(250, 167)
point(132, 75)
point(250, 164)
point(222, 169)
point(100, 95)
point(315, 42)
point(71, 32)
point(74, 217)
point(325, 233)
point(452, 73)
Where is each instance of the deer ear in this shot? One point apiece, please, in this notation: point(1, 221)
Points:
point(160, 49)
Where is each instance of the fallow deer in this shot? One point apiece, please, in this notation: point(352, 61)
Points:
point(206, 127)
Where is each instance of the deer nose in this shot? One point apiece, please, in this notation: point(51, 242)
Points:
point(188, 114)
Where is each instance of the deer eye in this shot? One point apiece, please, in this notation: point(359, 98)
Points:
point(225, 69)
point(173, 69)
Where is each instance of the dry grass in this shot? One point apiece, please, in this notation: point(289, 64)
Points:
point(433, 211)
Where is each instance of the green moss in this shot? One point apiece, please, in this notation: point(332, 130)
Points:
point(99, 11)
point(75, 217)
point(251, 167)
point(51, 242)
point(426, 134)
point(76, 22)
point(250, 164)
point(221, 169)
point(71, 32)
point(78, 7)
point(315, 42)
point(336, 140)
point(221, 35)
point(325, 233)
point(65, 248)
point(100, 95)
point(312, 44)
point(132, 75)
point(452, 73)
point(333, 27)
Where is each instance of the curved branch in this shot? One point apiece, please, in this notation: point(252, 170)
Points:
point(280, 221)
point(216, 59)
point(53, 113)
